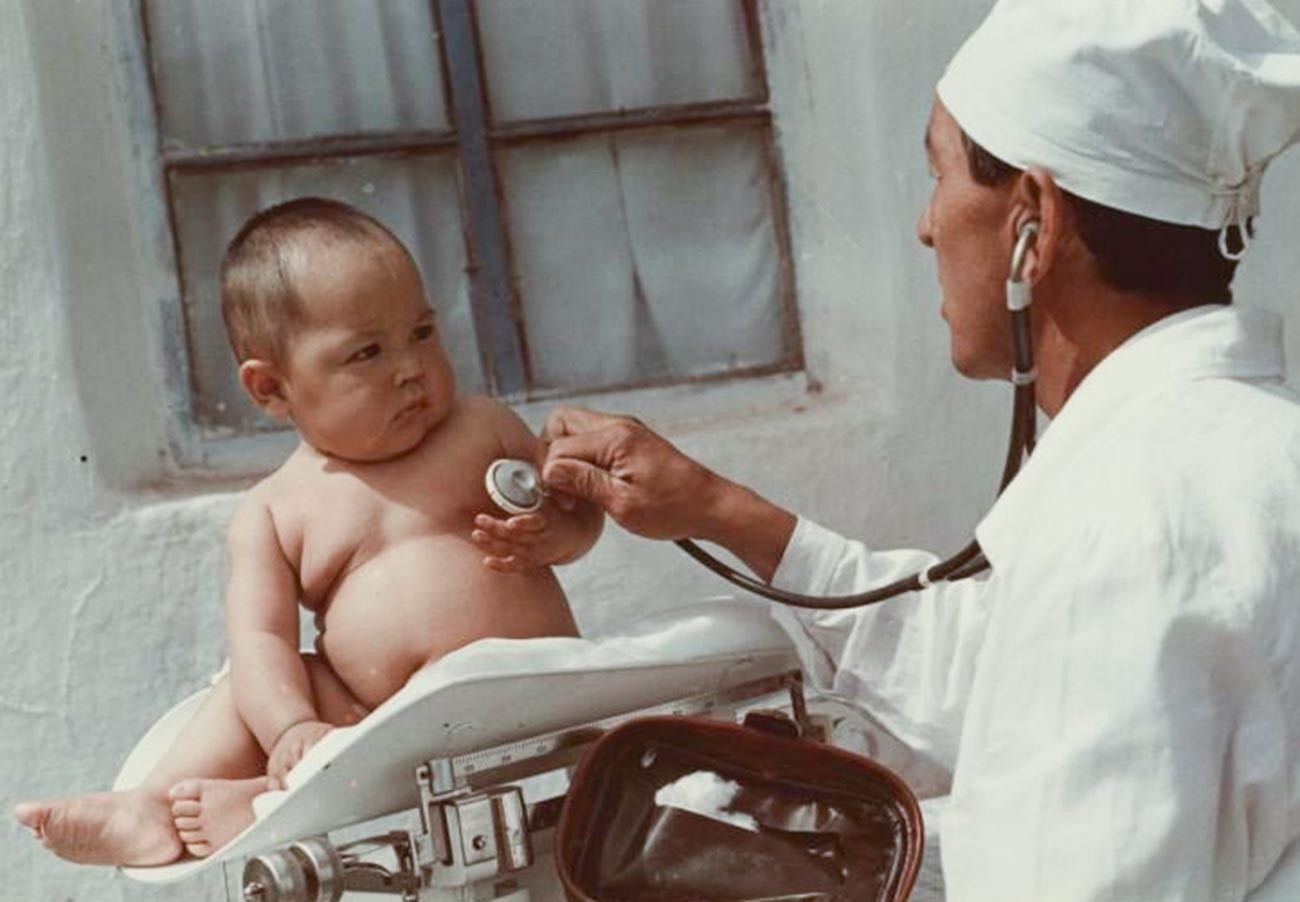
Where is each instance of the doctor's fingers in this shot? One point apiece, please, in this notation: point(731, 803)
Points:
point(564, 421)
point(626, 448)
point(590, 482)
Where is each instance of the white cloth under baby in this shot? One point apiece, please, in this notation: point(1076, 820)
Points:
point(527, 686)
point(719, 627)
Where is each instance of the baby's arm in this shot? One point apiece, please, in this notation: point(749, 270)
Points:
point(563, 530)
point(272, 689)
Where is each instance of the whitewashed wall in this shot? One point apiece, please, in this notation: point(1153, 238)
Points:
point(110, 576)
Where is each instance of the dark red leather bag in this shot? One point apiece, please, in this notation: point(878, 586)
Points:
point(686, 809)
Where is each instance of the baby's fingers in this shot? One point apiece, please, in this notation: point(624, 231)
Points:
point(508, 563)
point(491, 544)
point(524, 528)
point(515, 527)
point(526, 523)
point(278, 769)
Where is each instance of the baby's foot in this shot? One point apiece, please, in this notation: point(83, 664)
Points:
point(118, 828)
point(209, 813)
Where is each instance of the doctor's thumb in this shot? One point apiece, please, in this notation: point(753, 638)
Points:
point(580, 479)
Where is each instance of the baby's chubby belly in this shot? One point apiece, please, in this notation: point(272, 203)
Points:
point(418, 599)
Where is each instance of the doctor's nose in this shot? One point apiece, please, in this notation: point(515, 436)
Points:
point(924, 233)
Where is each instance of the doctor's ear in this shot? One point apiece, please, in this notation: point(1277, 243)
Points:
point(1039, 200)
point(264, 385)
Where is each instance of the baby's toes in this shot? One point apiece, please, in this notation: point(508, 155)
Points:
point(186, 790)
point(192, 835)
point(200, 848)
point(185, 808)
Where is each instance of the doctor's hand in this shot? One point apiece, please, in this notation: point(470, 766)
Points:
point(652, 489)
point(292, 745)
point(635, 475)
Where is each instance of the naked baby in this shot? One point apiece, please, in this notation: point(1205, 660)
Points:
point(378, 524)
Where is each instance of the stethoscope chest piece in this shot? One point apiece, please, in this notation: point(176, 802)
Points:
point(514, 486)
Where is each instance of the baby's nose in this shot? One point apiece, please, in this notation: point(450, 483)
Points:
point(409, 367)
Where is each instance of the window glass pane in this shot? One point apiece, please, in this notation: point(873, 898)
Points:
point(563, 57)
point(415, 197)
point(646, 257)
point(270, 70)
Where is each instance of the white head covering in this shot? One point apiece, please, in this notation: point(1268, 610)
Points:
point(1169, 109)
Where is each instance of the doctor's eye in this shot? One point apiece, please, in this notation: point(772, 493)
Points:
point(369, 352)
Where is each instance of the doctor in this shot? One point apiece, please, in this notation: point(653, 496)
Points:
point(1119, 701)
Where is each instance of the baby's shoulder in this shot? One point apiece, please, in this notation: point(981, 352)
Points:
point(489, 417)
point(270, 511)
point(277, 489)
point(482, 407)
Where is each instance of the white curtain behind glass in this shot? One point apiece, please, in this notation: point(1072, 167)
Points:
point(639, 257)
point(564, 57)
point(240, 71)
point(645, 256)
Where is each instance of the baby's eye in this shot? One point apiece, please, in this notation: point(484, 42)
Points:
point(368, 352)
point(423, 332)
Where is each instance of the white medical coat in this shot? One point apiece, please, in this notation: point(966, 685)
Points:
point(1119, 702)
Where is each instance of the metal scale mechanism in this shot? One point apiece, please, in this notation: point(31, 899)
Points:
point(486, 818)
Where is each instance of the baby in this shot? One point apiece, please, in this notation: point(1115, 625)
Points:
point(367, 524)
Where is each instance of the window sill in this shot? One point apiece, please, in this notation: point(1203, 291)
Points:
point(674, 410)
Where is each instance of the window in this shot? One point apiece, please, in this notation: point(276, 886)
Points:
point(589, 187)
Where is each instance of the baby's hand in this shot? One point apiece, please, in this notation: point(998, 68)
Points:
point(292, 745)
point(521, 542)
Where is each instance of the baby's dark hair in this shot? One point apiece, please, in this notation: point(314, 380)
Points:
point(258, 301)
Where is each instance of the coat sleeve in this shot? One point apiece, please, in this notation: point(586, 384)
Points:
point(1123, 741)
point(905, 662)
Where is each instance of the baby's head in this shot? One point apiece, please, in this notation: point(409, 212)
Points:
point(327, 316)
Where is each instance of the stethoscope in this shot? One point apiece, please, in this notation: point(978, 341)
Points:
point(514, 485)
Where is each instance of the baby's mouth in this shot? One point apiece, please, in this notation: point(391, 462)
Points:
point(413, 408)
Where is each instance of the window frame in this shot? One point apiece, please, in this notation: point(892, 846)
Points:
point(476, 140)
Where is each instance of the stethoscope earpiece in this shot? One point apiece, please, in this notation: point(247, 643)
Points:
point(1025, 238)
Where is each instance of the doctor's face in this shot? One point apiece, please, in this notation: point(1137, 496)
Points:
point(966, 224)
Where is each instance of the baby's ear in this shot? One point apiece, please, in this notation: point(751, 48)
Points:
point(264, 384)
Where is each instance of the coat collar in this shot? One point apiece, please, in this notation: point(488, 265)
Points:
point(1202, 343)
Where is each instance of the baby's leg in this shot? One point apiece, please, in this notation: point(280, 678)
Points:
point(335, 702)
point(134, 827)
point(216, 760)
point(210, 811)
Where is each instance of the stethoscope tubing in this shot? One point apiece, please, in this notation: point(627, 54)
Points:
point(969, 561)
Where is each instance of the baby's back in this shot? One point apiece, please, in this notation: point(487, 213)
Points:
point(383, 555)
